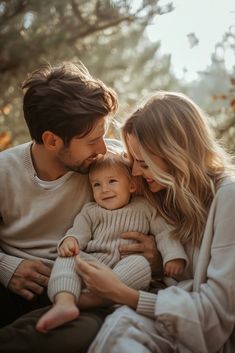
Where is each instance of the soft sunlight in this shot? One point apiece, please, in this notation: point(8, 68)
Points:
point(191, 31)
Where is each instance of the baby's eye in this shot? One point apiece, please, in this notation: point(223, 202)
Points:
point(112, 181)
point(95, 185)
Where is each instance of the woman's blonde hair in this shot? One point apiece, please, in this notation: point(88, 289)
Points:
point(175, 129)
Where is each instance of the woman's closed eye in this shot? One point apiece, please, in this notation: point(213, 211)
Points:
point(144, 166)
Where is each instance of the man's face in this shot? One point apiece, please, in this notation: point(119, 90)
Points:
point(82, 152)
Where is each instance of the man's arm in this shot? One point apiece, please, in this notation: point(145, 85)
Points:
point(26, 278)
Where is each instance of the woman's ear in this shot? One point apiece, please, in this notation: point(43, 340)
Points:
point(51, 141)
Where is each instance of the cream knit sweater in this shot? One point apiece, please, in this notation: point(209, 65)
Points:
point(98, 231)
point(33, 219)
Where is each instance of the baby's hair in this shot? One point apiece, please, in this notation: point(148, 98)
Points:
point(112, 160)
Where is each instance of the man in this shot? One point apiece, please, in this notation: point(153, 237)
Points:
point(43, 185)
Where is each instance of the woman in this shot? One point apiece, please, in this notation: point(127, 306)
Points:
point(192, 185)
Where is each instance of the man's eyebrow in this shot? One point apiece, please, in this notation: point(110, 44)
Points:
point(96, 138)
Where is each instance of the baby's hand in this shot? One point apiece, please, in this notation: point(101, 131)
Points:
point(174, 267)
point(69, 247)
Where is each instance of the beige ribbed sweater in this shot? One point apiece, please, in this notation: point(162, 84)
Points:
point(98, 231)
point(32, 219)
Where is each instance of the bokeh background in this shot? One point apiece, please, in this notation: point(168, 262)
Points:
point(136, 47)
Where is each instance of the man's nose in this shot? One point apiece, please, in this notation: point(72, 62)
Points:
point(101, 147)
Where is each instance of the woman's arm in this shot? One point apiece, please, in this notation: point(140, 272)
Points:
point(204, 319)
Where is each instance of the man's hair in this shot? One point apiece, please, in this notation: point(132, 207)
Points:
point(65, 100)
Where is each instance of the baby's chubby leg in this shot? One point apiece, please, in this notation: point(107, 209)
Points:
point(63, 310)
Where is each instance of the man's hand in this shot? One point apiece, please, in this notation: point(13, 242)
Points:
point(145, 246)
point(30, 279)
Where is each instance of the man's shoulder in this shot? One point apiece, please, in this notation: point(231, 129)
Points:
point(13, 161)
point(14, 152)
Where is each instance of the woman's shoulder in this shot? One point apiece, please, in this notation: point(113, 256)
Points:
point(224, 199)
point(226, 187)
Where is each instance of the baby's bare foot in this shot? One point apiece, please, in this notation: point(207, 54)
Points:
point(58, 315)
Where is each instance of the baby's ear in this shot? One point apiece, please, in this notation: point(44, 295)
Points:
point(133, 186)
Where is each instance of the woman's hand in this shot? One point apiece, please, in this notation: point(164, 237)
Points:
point(103, 282)
point(145, 246)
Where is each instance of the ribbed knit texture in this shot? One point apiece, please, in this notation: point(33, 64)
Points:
point(146, 304)
point(98, 231)
point(32, 219)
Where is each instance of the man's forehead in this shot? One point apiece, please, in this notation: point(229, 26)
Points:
point(97, 131)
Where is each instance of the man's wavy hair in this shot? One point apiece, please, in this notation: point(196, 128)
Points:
point(175, 129)
point(65, 100)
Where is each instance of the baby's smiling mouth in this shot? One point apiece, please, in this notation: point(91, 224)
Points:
point(108, 198)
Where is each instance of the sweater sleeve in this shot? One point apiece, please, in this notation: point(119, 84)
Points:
point(203, 320)
point(169, 247)
point(82, 226)
point(8, 265)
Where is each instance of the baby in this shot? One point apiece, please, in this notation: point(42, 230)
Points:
point(95, 235)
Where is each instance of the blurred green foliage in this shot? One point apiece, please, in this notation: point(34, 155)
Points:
point(110, 38)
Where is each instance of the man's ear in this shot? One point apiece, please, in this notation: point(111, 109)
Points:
point(51, 141)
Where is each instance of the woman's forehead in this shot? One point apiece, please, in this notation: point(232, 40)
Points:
point(133, 147)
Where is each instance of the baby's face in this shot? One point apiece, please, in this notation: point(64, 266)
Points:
point(111, 187)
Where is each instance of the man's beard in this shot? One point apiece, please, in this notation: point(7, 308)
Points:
point(82, 168)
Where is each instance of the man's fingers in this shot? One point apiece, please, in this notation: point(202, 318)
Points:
point(26, 294)
point(133, 235)
point(43, 269)
point(131, 248)
point(34, 288)
point(42, 280)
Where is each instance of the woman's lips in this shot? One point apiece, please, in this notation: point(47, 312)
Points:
point(149, 181)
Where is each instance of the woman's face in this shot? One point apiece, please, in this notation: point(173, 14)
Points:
point(140, 168)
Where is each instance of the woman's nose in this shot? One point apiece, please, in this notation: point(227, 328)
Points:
point(136, 170)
